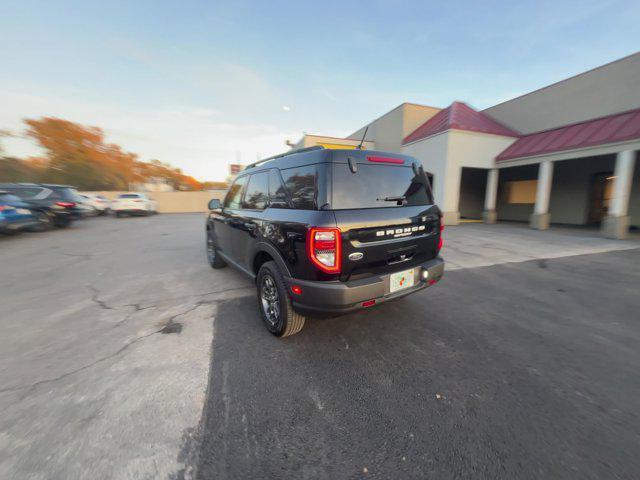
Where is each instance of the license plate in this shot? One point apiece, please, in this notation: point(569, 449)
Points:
point(23, 211)
point(401, 280)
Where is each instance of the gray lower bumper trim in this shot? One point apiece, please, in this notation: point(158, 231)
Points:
point(346, 296)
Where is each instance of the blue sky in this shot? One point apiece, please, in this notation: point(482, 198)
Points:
point(202, 83)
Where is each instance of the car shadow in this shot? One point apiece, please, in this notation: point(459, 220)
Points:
point(466, 379)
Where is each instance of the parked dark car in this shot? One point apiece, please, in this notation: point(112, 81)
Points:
point(328, 231)
point(15, 215)
point(53, 205)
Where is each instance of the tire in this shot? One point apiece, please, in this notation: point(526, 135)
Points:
point(45, 222)
point(62, 223)
point(285, 321)
point(118, 214)
point(214, 259)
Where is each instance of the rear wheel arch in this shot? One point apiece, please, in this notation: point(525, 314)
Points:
point(260, 259)
point(263, 253)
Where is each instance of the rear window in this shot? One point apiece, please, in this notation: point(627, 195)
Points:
point(378, 186)
point(129, 195)
point(7, 197)
point(301, 183)
point(30, 192)
point(69, 194)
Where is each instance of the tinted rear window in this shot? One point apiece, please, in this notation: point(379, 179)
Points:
point(7, 197)
point(69, 194)
point(129, 195)
point(301, 183)
point(371, 184)
point(27, 192)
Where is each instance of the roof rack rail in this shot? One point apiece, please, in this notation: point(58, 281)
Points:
point(290, 152)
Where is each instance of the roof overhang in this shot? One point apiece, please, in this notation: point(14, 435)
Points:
point(594, 151)
point(609, 130)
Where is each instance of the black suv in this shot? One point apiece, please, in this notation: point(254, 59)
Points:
point(328, 231)
point(53, 205)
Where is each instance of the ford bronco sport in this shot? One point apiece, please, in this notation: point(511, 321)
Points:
point(324, 230)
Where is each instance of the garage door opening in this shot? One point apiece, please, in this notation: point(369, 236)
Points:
point(473, 183)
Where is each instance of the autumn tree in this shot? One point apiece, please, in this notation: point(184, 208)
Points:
point(78, 155)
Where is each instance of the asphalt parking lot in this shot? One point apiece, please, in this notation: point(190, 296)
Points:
point(123, 355)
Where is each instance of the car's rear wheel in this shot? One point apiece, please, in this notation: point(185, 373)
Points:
point(215, 260)
point(62, 222)
point(275, 304)
point(45, 221)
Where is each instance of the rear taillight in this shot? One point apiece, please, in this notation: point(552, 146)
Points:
point(66, 204)
point(5, 207)
point(440, 240)
point(324, 248)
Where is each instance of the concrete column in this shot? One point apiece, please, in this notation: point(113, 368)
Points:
point(489, 215)
point(616, 223)
point(541, 217)
point(451, 195)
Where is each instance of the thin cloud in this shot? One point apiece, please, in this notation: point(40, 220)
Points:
point(198, 140)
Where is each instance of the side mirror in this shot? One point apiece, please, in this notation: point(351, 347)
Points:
point(214, 204)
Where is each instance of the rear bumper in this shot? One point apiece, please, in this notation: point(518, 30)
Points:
point(13, 224)
point(340, 297)
point(130, 210)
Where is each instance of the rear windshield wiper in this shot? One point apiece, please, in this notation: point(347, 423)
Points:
point(399, 198)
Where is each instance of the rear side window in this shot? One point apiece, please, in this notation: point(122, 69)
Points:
point(70, 194)
point(257, 195)
point(234, 195)
point(30, 192)
point(378, 186)
point(129, 195)
point(301, 183)
point(277, 192)
point(7, 197)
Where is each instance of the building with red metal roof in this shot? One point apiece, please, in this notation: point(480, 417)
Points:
point(459, 116)
point(565, 153)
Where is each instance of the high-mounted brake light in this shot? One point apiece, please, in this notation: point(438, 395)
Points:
point(397, 161)
point(324, 248)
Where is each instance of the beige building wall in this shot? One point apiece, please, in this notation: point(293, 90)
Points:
point(433, 152)
point(415, 115)
point(175, 202)
point(478, 150)
point(444, 155)
point(388, 131)
point(605, 90)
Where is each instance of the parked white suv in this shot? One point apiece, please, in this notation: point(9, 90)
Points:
point(98, 203)
point(134, 204)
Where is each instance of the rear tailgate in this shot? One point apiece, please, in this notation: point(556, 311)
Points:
point(382, 240)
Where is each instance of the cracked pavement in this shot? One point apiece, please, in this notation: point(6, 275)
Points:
point(107, 330)
point(105, 346)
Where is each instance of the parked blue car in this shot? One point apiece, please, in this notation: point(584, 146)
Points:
point(15, 214)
